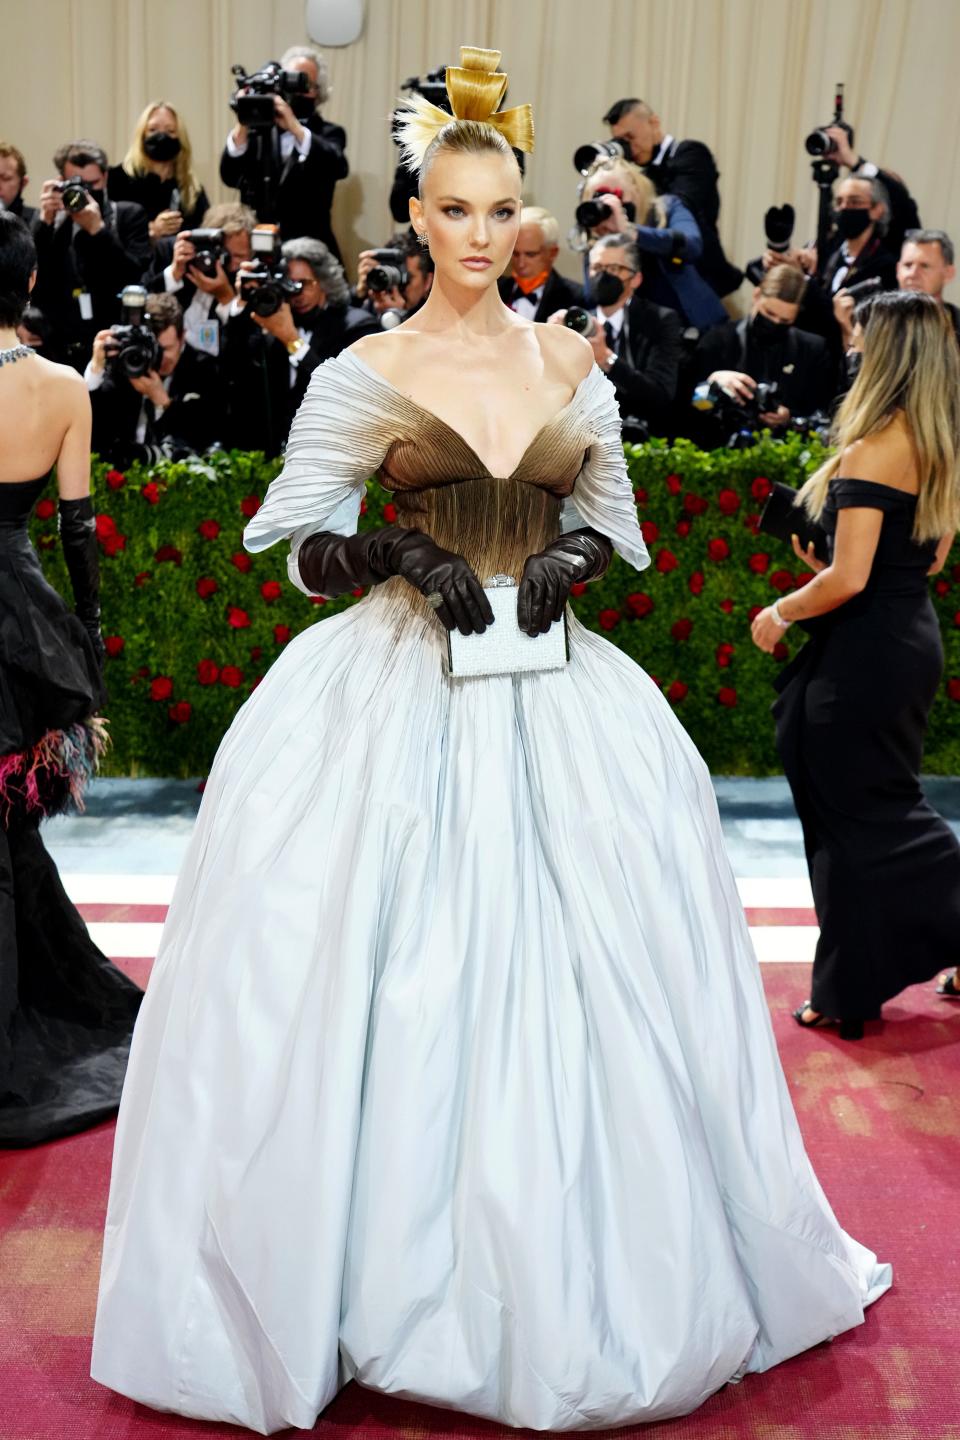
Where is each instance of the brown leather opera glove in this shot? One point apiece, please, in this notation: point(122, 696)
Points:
point(547, 576)
point(333, 564)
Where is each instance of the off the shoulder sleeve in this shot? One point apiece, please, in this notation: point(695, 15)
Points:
point(868, 495)
point(338, 439)
point(603, 496)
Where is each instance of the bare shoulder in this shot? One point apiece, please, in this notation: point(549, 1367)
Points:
point(64, 380)
point(887, 458)
point(565, 351)
point(389, 354)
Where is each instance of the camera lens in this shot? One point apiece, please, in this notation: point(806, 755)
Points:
point(585, 155)
point(591, 213)
point(385, 277)
point(818, 142)
point(580, 320)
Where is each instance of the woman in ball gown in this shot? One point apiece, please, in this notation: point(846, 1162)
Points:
point(66, 1014)
point(853, 706)
point(455, 1074)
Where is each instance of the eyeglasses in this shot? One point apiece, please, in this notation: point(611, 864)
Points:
point(610, 270)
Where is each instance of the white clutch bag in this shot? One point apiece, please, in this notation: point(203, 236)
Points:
point(503, 648)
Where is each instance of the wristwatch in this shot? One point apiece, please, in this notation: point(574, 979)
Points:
point(296, 348)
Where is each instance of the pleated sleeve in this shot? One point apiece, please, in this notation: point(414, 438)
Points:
point(339, 437)
point(603, 496)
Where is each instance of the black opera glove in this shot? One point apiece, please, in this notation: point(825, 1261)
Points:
point(78, 537)
point(547, 577)
point(333, 564)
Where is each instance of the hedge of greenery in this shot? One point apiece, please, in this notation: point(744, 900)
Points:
point(192, 622)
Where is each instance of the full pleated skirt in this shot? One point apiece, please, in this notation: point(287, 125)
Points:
point(455, 1074)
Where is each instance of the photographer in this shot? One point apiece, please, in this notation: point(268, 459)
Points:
point(87, 249)
point(157, 173)
point(534, 289)
point(175, 408)
point(901, 207)
point(13, 181)
point(269, 358)
point(203, 279)
point(616, 196)
point(638, 344)
point(684, 168)
point(305, 157)
point(414, 265)
point(926, 265)
point(766, 348)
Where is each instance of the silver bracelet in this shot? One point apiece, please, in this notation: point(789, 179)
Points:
point(775, 612)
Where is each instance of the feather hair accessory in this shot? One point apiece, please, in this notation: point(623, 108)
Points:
point(475, 88)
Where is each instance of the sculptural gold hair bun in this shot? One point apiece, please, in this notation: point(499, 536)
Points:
point(475, 88)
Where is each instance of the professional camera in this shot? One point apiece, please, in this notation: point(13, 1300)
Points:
point(778, 225)
point(432, 86)
point(390, 271)
point(591, 213)
point(743, 415)
point(267, 287)
point(134, 350)
point(818, 142)
point(210, 249)
point(253, 99)
point(580, 320)
point(74, 193)
point(585, 155)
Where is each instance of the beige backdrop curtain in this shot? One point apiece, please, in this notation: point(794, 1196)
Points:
point(750, 77)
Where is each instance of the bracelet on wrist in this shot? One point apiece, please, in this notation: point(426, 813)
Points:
point(781, 620)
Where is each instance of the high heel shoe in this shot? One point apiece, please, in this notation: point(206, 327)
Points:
point(848, 1029)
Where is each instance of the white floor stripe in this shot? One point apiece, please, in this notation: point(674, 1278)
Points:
point(119, 889)
point(126, 939)
point(776, 892)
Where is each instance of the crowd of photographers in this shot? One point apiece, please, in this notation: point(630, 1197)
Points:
point(198, 326)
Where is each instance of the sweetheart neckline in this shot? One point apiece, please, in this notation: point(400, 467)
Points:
point(445, 424)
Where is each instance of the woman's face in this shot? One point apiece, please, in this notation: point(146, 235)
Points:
point(470, 210)
point(162, 122)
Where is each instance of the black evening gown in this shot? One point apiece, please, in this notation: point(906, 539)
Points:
point(851, 718)
point(66, 1013)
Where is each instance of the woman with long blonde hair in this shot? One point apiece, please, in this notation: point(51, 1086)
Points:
point(157, 172)
point(853, 705)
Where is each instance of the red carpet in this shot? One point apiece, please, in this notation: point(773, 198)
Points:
point(882, 1123)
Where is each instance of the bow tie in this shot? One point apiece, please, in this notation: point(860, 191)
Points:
point(533, 297)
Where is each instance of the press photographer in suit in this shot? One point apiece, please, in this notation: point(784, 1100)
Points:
point(534, 289)
point(13, 181)
point(417, 268)
point(308, 157)
point(685, 168)
point(638, 344)
point(926, 265)
point(174, 410)
point(205, 298)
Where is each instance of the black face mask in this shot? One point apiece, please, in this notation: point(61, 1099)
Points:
point(852, 362)
point(606, 288)
point(765, 331)
point(851, 223)
point(160, 146)
point(303, 106)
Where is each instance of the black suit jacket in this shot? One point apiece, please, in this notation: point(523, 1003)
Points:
point(304, 188)
point(646, 371)
point(68, 259)
point(559, 293)
point(801, 366)
point(193, 420)
point(688, 170)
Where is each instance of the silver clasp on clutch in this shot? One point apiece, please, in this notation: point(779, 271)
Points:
point(499, 582)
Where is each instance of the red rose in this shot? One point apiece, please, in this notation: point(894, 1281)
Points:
point(578, 587)
point(255, 652)
point(113, 544)
point(696, 582)
point(726, 695)
point(113, 644)
point(803, 578)
point(953, 688)
point(657, 681)
point(318, 599)
point(115, 479)
point(780, 651)
point(242, 561)
point(726, 606)
point(683, 528)
point(249, 506)
point(141, 579)
point(956, 618)
point(724, 654)
point(677, 692)
point(760, 488)
point(206, 586)
point(208, 529)
point(281, 634)
point(955, 572)
point(169, 552)
point(942, 587)
point(680, 629)
point(752, 523)
point(105, 526)
point(650, 530)
point(728, 502)
point(666, 561)
point(161, 688)
point(151, 492)
point(752, 613)
point(638, 604)
point(674, 484)
point(718, 550)
point(271, 590)
point(759, 563)
point(45, 509)
point(237, 618)
point(231, 676)
point(208, 673)
point(640, 496)
point(608, 619)
point(695, 504)
point(180, 712)
point(363, 507)
point(781, 580)
point(358, 592)
point(390, 513)
point(255, 682)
